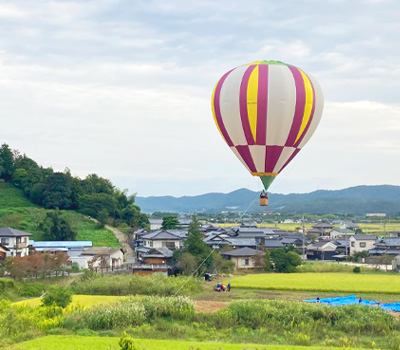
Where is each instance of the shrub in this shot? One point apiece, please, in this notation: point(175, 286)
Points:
point(357, 269)
point(126, 342)
point(61, 296)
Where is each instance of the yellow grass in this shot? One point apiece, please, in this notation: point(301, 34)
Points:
point(327, 282)
point(84, 301)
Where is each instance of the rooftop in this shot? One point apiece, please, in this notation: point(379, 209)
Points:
point(12, 232)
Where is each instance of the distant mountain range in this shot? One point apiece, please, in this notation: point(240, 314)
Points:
point(357, 200)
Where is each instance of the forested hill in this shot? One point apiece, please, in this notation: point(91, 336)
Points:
point(357, 200)
point(93, 196)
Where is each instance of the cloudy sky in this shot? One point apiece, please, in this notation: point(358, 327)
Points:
point(123, 88)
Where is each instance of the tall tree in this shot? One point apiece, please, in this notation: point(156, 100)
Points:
point(56, 227)
point(7, 162)
point(170, 222)
point(195, 246)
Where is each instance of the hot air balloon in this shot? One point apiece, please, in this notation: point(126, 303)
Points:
point(266, 111)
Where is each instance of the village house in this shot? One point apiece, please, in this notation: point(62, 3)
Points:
point(106, 257)
point(386, 246)
point(3, 252)
point(16, 241)
point(72, 248)
point(171, 239)
point(322, 250)
point(155, 260)
point(361, 242)
point(243, 258)
point(341, 233)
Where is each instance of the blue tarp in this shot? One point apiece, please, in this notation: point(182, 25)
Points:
point(391, 307)
point(349, 300)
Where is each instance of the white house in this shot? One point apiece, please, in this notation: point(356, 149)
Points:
point(172, 239)
point(341, 233)
point(112, 257)
point(243, 258)
point(361, 242)
point(155, 224)
point(15, 240)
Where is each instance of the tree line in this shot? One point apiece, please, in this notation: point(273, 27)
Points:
point(93, 196)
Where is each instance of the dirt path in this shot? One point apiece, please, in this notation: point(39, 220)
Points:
point(209, 306)
point(120, 236)
point(122, 240)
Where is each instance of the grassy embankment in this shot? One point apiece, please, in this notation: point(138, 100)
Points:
point(18, 212)
point(111, 343)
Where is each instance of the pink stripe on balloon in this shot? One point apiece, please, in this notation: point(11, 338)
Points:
point(300, 104)
point(290, 159)
point(246, 156)
point(309, 120)
point(217, 109)
point(272, 157)
point(243, 105)
point(262, 101)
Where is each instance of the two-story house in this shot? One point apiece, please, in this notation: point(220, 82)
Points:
point(15, 240)
point(171, 239)
point(361, 242)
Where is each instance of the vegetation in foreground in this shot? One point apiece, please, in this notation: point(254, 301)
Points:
point(261, 322)
point(335, 282)
point(60, 342)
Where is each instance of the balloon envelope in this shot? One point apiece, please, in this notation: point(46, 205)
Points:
point(266, 111)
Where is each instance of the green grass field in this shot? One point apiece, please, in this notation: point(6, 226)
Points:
point(85, 301)
point(111, 343)
point(334, 282)
point(18, 212)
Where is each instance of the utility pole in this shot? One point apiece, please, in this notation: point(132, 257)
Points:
point(304, 236)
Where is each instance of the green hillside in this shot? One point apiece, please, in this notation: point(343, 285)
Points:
point(18, 212)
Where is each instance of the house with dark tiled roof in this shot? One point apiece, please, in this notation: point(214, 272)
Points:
point(243, 258)
point(16, 241)
point(273, 244)
point(171, 239)
point(322, 250)
point(386, 246)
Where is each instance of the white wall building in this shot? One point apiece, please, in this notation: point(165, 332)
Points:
point(15, 240)
point(361, 242)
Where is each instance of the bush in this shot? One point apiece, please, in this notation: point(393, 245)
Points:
point(357, 269)
point(126, 342)
point(61, 296)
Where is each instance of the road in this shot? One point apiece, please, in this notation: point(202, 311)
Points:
point(129, 252)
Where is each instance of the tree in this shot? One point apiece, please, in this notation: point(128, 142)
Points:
point(61, 296)
point(222, 265)
point(57, 192)
point(56, 227)
point(259, 260)
point(170, 222)
point(188, 263)
point(7, 162)
point(267, 266)
point(285, 261)
point(102, 217)
point(195, 246)
point(126, 342)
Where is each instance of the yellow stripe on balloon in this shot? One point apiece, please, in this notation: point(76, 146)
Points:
point(252, 94)
point(308, 105)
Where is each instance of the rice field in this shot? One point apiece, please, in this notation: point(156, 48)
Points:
point(326, 282)
point(111, 343)
point(84, 301)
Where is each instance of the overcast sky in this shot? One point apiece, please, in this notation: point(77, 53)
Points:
point(123, 88)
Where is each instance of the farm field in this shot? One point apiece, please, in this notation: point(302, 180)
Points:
point(334, 282)
point(373, 228)
point(111, 343)
point(85, 301)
